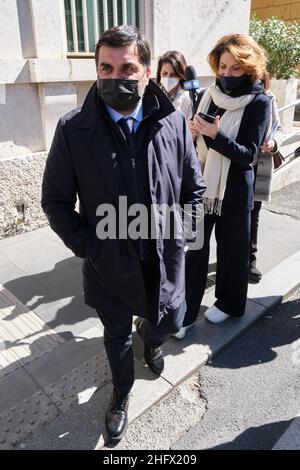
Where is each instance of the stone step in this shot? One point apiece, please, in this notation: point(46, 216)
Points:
point(292, 142)
point(289, 172)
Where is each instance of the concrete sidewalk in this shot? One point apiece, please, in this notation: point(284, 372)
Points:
point(51, 345)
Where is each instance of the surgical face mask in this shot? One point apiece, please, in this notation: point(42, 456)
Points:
point(231, 83)
point(119, 93)
point(169, 83)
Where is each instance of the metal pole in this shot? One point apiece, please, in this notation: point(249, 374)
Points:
point(85, 26)
point(105, 15)
point(124, 11)
point(96, 20)
point(74, 25)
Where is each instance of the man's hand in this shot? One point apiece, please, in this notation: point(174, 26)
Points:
point(268, 146)
point(206, 128)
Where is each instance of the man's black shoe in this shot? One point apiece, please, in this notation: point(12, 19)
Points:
point(154, 358)
point(153, 354)
point(254, 276)
point(116, 418)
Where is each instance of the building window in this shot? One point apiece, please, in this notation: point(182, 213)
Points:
point(86, 20)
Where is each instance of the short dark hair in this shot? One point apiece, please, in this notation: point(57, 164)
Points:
point(178, 62)
point(125, 35)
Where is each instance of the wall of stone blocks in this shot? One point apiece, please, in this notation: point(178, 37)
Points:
point(21, 163)
point(20, 194)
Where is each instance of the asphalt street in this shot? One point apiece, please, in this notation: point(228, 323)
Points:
point(252, 388)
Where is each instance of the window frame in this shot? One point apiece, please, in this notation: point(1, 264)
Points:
point(79, 20)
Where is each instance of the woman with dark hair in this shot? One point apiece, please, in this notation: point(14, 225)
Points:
point(170, 77)
point(227, 148)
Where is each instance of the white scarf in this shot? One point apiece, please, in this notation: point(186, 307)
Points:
point(214, 165)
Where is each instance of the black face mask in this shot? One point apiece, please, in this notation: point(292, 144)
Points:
point(229, 84)
point(121, 94)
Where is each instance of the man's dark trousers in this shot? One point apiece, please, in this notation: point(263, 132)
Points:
point(118, 335)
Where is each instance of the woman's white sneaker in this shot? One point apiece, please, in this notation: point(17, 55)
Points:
point(181, 333)
point(215, 315)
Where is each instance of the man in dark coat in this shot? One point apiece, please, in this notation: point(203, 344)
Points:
point(126, 146)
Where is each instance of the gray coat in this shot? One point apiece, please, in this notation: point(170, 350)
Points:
point(265, 163)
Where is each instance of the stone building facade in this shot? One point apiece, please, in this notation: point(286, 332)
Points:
point(47, 66)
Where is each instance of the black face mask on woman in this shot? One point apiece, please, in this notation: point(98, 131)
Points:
point(229, 84)
point(119, 93)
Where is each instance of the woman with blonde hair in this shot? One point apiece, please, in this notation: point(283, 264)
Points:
point(227, 148)
point(170, 76)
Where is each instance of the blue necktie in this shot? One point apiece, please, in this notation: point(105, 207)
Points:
point(129, 133)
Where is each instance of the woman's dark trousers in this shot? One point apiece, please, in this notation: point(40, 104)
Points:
point(254, 232)
point(232, 233)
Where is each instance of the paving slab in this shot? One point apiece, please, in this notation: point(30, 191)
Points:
point(66, 359)
point(278, 237)
point(64, 283)
point(32, 236)
point(25, 418)
point(50, 385)
point(31, 292)
point(9, 271)
point(15, 388)
point(50, 255)
point(47, 232)
point(80, 428)
point(78, 384)
point(70, 315)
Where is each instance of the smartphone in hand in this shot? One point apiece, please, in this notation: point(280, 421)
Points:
point(207, 117)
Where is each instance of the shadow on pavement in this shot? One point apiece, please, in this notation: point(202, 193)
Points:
point(275, 337)
point(257, 438)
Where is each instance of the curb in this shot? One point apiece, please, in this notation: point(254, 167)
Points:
point(286, 175)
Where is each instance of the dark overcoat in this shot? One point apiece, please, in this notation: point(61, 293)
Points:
point(82, 162)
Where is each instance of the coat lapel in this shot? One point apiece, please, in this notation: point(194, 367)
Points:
point(104, 154)
point(103, 139)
